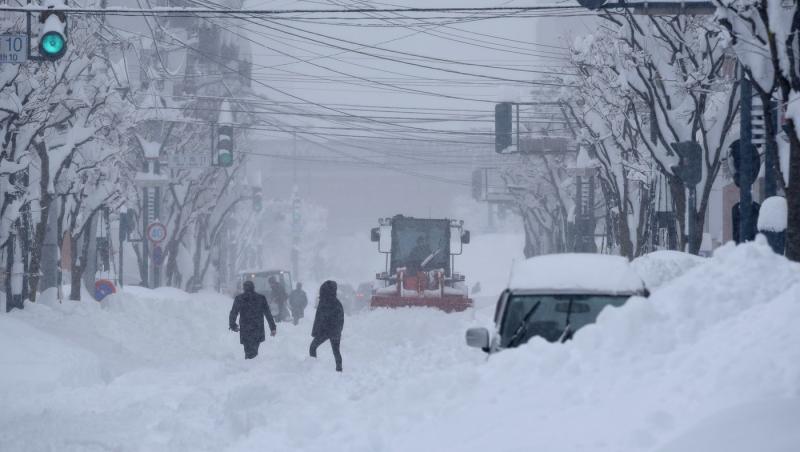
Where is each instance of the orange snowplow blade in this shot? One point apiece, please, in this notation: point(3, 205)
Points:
point(446, 303)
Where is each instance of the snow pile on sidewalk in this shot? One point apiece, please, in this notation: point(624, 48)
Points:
point(660, 267)
point(708, 363)
point(715, 341)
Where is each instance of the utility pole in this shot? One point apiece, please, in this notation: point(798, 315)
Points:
point(295, 212)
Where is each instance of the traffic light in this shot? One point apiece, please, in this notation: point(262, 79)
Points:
point(53, 35)
point(745, 164)
point(689, 169)
point(224, 155)
point(502, 126)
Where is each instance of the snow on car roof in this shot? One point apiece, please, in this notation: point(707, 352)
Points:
point(576, 272)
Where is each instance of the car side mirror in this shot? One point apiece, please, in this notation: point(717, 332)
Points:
point(465, 237)
point(478, 338)
point(375, 235)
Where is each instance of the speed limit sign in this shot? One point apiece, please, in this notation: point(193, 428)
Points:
point(156, 232)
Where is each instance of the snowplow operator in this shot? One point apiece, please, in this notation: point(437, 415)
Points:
point(417, 256)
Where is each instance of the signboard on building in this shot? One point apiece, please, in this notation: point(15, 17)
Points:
point(189, 160)
point(489, 185)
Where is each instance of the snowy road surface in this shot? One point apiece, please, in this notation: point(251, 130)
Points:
point(710, 362)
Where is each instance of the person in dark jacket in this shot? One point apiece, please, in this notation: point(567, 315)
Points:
point(297, 303)
point(251, 308)
point(280, 298)
point(328, 322)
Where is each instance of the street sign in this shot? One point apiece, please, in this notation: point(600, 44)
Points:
point(150, 180)
point(489, 185)
point(735, 157)
point(103, 288)
point(156, 232)
point(189, 160)
point(157, 255)
point(13, 48)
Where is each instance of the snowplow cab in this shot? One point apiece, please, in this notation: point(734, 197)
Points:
point(420, 263)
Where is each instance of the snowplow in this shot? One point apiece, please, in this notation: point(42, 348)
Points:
point(420, 259)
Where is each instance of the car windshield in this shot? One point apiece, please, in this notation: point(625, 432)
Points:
point(549, 315)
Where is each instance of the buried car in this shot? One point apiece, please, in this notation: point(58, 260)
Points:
point(553, 296)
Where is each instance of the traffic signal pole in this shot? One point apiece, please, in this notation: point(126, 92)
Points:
point(746, 226)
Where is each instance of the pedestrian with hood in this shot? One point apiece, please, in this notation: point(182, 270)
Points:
point(280, 298)
point(297, 303)
point(328, 322)
point(251, 308)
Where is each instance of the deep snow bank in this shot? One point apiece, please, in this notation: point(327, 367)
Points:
point(660, 267)
point(718, 337)
point(711, 351)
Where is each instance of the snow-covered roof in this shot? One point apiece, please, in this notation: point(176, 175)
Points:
point(576, 272)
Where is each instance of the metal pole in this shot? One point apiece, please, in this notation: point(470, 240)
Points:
point(294, 158)
point(770, 165)
point(157, 214)
point(145, 243)
point(745, 163)
point(123, 226)
point(692, 223)
point(518, 144)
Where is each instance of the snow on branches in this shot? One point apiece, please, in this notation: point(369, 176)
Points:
point(646, 83)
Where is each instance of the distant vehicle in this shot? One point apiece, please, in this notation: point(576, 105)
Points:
point(347, 295)
point(419, 263)
point(553, 296)
point(363, 295)
point(261, 279)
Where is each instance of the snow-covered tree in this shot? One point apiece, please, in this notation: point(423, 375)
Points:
point(666, 76)
point(544, 193)
point(50, 113)
point(765, 35)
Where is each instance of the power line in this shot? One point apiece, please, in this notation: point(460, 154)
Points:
point(215, 12)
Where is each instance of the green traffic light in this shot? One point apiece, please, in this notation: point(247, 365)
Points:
point(225, 159)
point(52, 45)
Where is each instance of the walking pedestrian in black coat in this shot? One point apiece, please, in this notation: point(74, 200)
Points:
point(297, 303)
point(251, 308)
point(280, 298)
point(328, 322)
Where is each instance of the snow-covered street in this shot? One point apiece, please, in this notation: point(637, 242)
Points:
point(503, 226)
point(709, 358)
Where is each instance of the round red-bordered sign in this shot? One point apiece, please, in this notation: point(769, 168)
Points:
point(156, 232)
point(103, 288)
